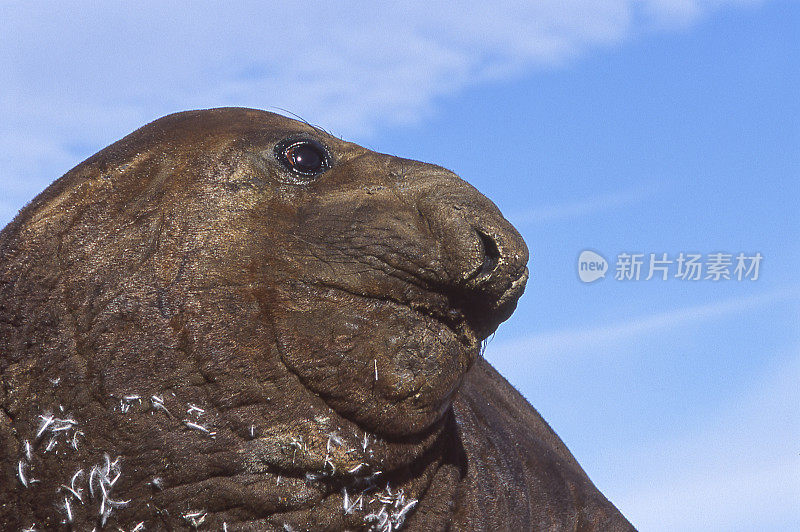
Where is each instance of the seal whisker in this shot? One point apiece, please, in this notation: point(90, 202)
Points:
point(157, 403)
point(68, 510)
point(194, 518)
point(196, 426)
point(21, 473)
point(47, 420)
point(195, 409)
point(73, 492)
point(303, 120)
point(75, 439)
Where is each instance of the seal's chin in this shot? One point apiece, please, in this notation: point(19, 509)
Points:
point(388, 366)
point(389, 363)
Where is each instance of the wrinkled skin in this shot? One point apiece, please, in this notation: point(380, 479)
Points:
point(329, 328)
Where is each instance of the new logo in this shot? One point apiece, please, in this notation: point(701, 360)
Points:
point(591, 266)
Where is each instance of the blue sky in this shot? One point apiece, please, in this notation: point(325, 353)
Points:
point(647, 126)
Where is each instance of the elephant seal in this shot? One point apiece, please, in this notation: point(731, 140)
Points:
point(230, 320)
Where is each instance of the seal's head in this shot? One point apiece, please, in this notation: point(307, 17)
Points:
point(390, 274)
point(282, 277)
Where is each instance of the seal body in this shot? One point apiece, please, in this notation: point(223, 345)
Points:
point(233, 320)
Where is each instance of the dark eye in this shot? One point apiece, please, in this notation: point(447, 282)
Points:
point(307, 158)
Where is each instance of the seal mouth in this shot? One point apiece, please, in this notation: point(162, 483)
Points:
point(515, 291)
point(471, 315)
point(484, 312)
point(439, 308)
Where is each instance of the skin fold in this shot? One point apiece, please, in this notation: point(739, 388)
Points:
point(198, 333)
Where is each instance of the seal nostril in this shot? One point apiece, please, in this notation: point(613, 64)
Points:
point(491, 255)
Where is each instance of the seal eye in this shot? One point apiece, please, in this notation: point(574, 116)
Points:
point(307, 158)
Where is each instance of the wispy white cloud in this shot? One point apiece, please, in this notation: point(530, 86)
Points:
point(741, 472)
point(555, 345)
point(580, 208)
point(681, 13)
point(737, 471)
point(77, 75)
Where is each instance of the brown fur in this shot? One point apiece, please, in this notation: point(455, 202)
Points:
point(330, 331)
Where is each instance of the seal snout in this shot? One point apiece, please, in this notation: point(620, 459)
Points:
point(490, 293)
point(494, 254)
point(482, 258)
